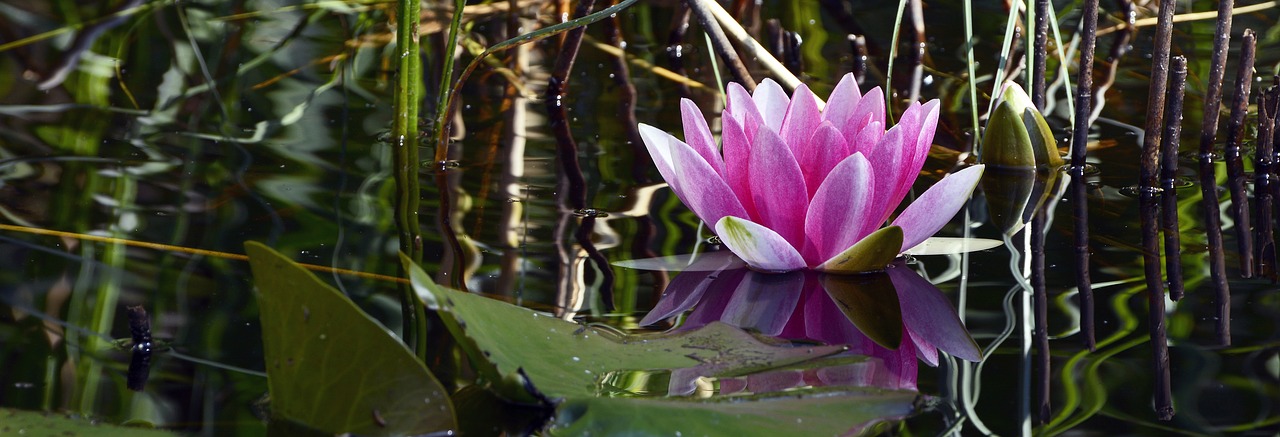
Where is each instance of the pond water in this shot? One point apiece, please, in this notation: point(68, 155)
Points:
point(204, 126)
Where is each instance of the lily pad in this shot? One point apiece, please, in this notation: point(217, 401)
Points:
point(332, 367)
point(561, 359)
point(871, 254)
point(17, 422)
point(807, 412)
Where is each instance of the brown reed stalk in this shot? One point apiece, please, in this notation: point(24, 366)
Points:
point(721, 43)
point(1039, 220)
point(566, 147)
point(1208, 181)
point(1169, 174)
point(1040, 56)
point(1148, 206)
point(1232, 153)
point(1263, 192)
point(1079, 190)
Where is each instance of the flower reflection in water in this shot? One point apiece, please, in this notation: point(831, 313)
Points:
point(894, 317)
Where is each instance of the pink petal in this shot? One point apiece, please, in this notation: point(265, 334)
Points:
point(822, 151)
point(867, 140)
point(803, 118)
point(772, 102)
point(764, 301)
point(698, 135)
point(743, 109)
point(838, 216)
point(885, 159)
point(777, 187)
point(933, 209)
point(929, 316)
point(927, 352)
point(737, 156)
point(844, 98)
point(762, 248)
point(870, 109)
point(918, 141)
point(692, 179)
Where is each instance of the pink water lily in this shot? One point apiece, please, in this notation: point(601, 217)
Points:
point(801, 186)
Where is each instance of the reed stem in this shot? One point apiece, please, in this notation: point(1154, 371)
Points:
point(1234, 157)
point(1208, 180)
point(1169, 174)
point(1149, 207)
point(1079, 191)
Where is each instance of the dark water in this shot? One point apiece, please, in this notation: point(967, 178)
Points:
point(289, 147)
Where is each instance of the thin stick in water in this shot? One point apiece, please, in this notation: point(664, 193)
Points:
point(1148, 207)
point(1040, 335)
point(1263, 192)
point(1079, 190)
point(1041, 53)
point(1233, 156)
point(1169, 175)
point(1208, 179)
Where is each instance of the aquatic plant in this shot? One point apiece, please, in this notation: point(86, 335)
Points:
point(802, 186)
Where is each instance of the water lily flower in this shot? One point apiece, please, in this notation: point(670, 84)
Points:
point(802, 186)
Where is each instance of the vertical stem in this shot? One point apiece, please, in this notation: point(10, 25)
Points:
point(1262, 187)
point(1040, 58)
point(404, 128)
point(1168, 176)
point(1079, 191)
point(1208, 180)
point(973, 73)
point(1041, 323)
point(1233, 156)
point(1147, 199)
point(404, 131)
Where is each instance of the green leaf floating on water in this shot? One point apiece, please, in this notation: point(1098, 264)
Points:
point(521, 352)
point(811, 412)
point(564, 359)
point(333, 368)
point(18, 422)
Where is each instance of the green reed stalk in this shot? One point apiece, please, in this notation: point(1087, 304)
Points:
point(973, 73)
point(404, 128)
point(446, 76)
point(893, 54)
point(404, 131)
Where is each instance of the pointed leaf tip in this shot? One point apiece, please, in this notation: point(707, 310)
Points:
point(870, 254)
